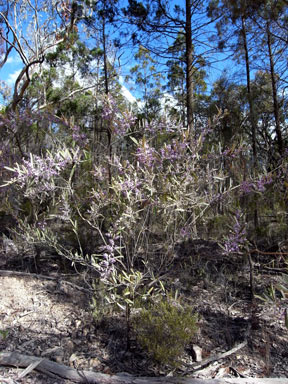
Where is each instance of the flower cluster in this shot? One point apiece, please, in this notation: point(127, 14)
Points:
point(110, 108)
point(124, 123)
point(263, 181)
point(233, 152)
point(107, 265)
point(36, 175)
point(65, 209)
point(128, 186)
point(173, 151)
point(185, 232)
point(163, 125)
point(79, 138)
point(15, 121)
point(100, 173)
point(119, 122)
point(145, 154)
point(122, 166)
point(237, 238)
point(247, 187)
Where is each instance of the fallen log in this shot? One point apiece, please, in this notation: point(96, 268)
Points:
point(195, 366)
point(53, 369)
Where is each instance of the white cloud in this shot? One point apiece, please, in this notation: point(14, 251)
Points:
point(13, 60)
point(125, 91)
point(128, 95)
point(13, 77)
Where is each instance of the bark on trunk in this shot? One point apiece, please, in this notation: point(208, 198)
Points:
point(274, 92)
point(109, 131)
point(189, 68)
point(251, 110)
point(105, 57)
point(250, 98)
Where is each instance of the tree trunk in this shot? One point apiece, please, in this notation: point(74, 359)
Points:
point(251, 111)
point(189, 68)
point(250, 98)
point(109, 131)
point(274, 92)
point(105, 57)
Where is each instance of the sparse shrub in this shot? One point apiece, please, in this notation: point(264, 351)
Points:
point(4, 334)
point(165, 328)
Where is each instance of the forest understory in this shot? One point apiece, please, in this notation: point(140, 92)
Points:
point(48, 315)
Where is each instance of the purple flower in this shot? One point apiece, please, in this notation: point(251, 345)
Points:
point(246, 187)
point(80, 138)
point(174, 151)
point(110, 108)
point(162, 126)
point(106, 266)
point(37, 174)
point(119, 122)
point(185, 232)
point(146, 155)
point(261, 183)
point(100, 173)
point(237, 238)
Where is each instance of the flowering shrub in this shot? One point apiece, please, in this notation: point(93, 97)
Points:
point(154, 190)
point(259, 185)
point(37, 176)
point(119, 122)
point(125, 207)
point(135, 205)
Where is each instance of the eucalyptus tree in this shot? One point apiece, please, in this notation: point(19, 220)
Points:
point(148, 81)
point(31, 29)
point(264, 110)
point(101, 25)
point(160, 23)
point(260, 28)
point(233, 22)
point(177, 81)
point(271, 20)
point(227, 99)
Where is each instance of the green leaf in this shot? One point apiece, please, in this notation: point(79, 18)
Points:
point(11, 169)
point(150, 291)
point(125, 275)
point(121, 306)
point(162, 286)
point(134, 140)
point(72, 173)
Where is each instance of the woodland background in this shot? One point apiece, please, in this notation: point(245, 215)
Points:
point(117, 189)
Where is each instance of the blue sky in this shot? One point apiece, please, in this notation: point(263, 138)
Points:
point(11, 69)
point(14, 65)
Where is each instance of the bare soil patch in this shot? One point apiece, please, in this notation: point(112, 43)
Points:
point(46, 317)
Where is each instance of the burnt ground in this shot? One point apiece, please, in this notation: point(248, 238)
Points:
point(49, 318)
